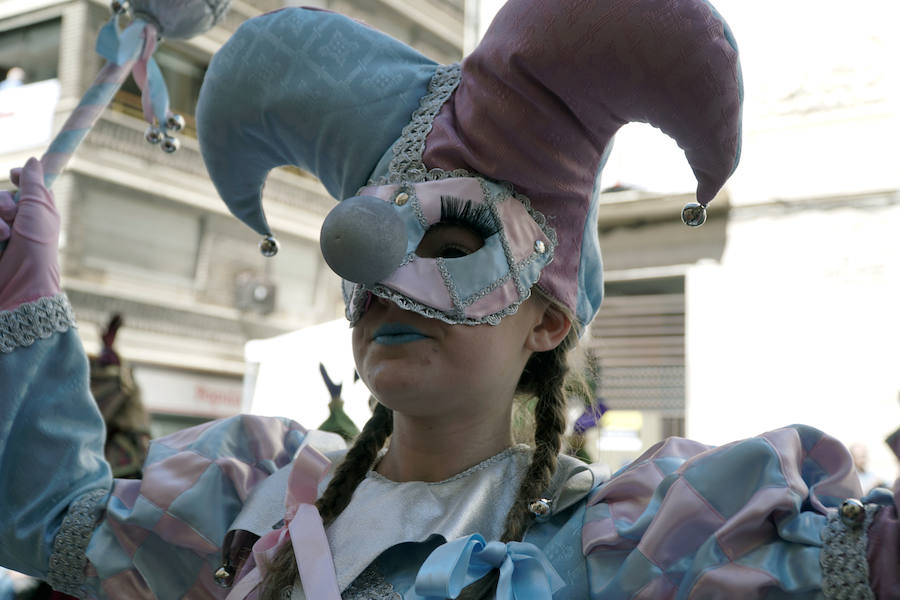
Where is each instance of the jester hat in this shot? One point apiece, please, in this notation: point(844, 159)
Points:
point(521, 129)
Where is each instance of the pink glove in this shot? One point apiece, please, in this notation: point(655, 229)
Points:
point(29, 266)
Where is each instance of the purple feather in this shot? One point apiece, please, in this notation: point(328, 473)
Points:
point(590, 417)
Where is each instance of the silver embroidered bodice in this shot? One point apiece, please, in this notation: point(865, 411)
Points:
point(474, 501)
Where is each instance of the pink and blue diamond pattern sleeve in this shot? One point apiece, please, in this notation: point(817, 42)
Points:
point(738, 521)
point(164, 533)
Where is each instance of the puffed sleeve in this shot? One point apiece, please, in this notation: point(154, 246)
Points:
point(164, 533)
point(744, 520)
point(51, 433)
point(62, 516)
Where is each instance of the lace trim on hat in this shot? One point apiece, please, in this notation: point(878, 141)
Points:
point(68, 559)
point(845, 569)
point(406, 165)
point(370, 585)
point(36, 320)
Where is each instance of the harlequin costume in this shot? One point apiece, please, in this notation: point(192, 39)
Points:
point(764, 516)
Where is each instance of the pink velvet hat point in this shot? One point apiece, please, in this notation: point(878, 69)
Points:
point(542, 96)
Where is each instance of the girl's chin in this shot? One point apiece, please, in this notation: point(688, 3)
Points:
point(410, 402)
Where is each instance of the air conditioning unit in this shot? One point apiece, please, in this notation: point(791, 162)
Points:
point(254, 292)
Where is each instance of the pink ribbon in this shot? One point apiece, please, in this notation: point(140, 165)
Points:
point(303, 528)
point(139, 71)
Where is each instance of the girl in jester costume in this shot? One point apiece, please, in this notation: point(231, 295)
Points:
point(466, 238)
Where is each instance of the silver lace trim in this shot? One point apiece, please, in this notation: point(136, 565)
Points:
point(68, 559)
point(417, 207)
point(370, 585)
point(459, 312)
point(35, 320)
point(406, 165)
point(433, 313)
point(845, 570)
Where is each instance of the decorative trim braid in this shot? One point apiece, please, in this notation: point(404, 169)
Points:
point(36, 320)
point(433, 313)
point(845, 570)
point(68, 559)
point(406, 166)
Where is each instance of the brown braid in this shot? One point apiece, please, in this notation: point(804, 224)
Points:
point(543, 377)
point(360, 457)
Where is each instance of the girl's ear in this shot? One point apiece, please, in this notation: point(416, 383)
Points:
point(550, 331)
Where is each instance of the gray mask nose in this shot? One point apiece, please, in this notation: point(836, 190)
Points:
point(363, 239)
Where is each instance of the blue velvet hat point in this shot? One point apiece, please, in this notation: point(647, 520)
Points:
point(309, 88)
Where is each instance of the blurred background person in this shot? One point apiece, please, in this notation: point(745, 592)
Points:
point(867, 478)
point(337, 422)
point(15, 77)
point(119, 399)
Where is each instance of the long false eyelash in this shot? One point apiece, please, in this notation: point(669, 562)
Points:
point(477, 217)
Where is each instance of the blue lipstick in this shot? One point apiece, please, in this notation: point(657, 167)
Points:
point(392, 334)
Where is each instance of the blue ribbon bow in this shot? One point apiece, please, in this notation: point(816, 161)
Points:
point(525, 572)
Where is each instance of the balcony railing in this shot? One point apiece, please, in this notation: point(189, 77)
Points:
point(130, 104)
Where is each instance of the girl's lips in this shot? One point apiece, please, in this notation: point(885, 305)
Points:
point(391, 334)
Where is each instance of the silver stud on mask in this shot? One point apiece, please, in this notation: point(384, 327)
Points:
point(540, 247)
point(268, 247)
point(693, 214)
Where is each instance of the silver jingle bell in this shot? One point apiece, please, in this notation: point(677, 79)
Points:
point(853, 512)
point(175, 122)
point(154, 135)
point(224, 575)
point(170, 144)
point(120, 6)
point(693, 214)
point(269, 246)
point(540, 507)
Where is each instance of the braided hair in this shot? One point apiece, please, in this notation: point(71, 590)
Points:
point(543, 378)
point(360, 457)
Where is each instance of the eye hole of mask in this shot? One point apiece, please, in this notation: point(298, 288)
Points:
point(463, 228)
